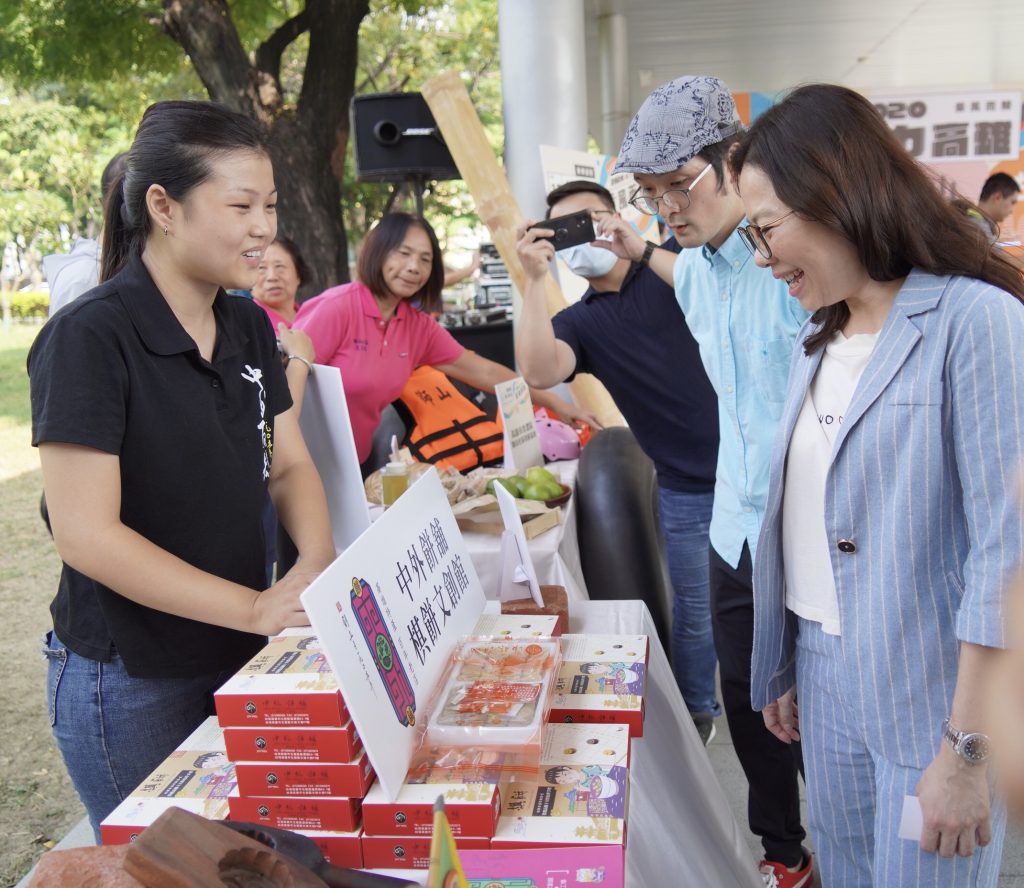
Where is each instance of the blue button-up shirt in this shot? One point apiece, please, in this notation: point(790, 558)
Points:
point(745, 323)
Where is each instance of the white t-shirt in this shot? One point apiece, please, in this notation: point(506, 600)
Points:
point(810, 585)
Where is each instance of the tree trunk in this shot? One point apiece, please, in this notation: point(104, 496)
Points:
point(309, 204)
point(308, 142)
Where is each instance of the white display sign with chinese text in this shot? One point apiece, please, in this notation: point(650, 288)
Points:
point(388, 613)
point(522, 444)
point(955, 126)
point(328, 432)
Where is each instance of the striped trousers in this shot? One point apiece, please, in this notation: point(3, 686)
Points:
point(855, 797)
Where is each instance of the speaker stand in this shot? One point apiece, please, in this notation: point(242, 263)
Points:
point(417, 184)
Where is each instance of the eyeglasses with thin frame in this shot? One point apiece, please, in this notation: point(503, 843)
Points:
point(680, 197)
point(753, 236)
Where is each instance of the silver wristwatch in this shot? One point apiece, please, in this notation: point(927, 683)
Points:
point(972, 748)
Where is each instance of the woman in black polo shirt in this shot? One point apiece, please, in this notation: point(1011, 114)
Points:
point(162, 416)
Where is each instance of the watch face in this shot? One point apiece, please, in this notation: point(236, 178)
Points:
point(975, 747)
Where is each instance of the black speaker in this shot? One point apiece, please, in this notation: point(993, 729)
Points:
point(395, 138)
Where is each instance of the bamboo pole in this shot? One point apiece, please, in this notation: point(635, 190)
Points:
point(497, 207)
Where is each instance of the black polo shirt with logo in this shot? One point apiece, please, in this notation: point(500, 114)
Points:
point(117, 372)
point(637, 343)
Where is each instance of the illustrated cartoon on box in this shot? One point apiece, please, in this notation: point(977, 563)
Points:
point(382, 649)
point(600, 792)
point(604, 678)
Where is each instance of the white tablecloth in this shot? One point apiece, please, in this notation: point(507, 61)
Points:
point(555, 552)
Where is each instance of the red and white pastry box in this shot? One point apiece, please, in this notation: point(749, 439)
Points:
point(343, 849)
point(580, 795)
point(518, 626)
point(472, 810)
point(602, 680)
point(409, 852)
point(293, 744)
point(197, 777)
point(299, 813)
point(351, 779)
point(287, 684)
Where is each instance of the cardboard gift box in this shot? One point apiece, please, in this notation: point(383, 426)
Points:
point(515, 626)
point(578, 867)
point(602, 679)
point(197, 776)
point(305, 813)
point(293, 745)
point(287, 684)
point(351, 779)
point(472, 809)
point(408, 852)
point(580, 796)
point(343, 849)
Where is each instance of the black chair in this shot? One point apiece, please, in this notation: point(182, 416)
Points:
point(621, 548)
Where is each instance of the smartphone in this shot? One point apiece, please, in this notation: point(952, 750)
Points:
point(571, 230)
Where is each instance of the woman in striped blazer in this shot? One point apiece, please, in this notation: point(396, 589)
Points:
point(891, 527)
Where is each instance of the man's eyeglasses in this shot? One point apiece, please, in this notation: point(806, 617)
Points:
point(680, 197)
point(754, 236)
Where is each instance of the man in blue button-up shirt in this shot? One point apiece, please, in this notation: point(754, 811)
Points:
point(745, 324)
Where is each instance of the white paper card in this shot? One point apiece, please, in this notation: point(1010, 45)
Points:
point(912, 821)
point(388, 613)
point(518, 578)
point(522, 444)
point(328, 432)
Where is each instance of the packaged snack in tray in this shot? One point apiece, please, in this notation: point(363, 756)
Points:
point(497, 693)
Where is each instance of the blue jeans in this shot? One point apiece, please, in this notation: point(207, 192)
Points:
point(685, 518)
point(114, 730)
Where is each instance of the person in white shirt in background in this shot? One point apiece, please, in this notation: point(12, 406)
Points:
point(71, 274)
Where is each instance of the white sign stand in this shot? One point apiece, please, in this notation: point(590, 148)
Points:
point(327, 429)
point(522, 444)
point(517, 569)
point(388, 613)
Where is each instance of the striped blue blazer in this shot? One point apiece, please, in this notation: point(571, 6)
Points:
point(923, 482)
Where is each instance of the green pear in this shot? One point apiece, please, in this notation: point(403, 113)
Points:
point(515, 484)
point(540, 475)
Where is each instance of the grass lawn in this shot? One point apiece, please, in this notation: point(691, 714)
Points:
point(39, 805)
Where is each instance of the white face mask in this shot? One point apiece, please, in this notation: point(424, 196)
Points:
point(587, 261)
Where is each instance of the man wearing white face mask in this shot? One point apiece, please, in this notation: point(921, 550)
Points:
point(629, 332)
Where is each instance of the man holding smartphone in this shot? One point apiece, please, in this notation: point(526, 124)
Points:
point(745, 323)
point(628, 331)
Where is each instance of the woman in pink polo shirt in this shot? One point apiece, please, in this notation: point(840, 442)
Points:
point(376, 338)
point(282, 271)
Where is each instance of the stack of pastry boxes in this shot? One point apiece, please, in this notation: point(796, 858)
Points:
point(197, 776)
point(299, 763)
point(580, 793)
point(602, 681)
point(396, 834)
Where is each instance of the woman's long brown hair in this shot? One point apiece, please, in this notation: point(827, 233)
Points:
point(831, 157)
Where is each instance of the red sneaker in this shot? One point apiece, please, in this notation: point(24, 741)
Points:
point(778, 874)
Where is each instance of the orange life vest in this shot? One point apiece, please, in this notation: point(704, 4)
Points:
point(447, 428)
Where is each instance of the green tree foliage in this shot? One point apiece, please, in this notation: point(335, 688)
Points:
point(290, 63)
point(51, 158)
